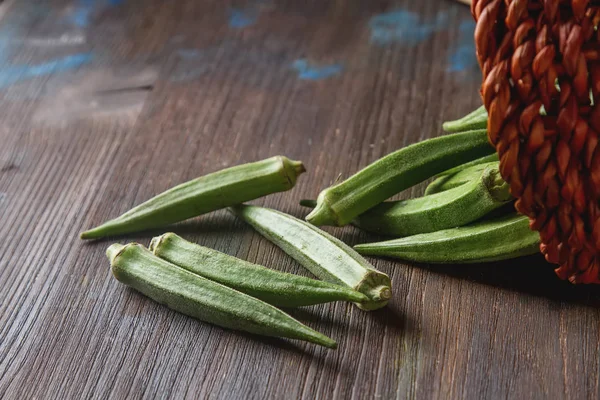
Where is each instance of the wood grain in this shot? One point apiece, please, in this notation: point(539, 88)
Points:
point(223, 89)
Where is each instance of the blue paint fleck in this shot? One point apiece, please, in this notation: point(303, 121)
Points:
point(16, 73)
point(242, 18)
point(310, 72)
point(84, 10)
point(463, 57)
point(404, 26)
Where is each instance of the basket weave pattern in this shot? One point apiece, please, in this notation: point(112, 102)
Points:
point(541, 73)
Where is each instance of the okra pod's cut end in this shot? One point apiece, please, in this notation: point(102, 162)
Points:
point(378, 298)
point(498, 188)
point(382, 293)
point(113, 251)
point(292, 169)
point(115, 256)
point(377, 286)
point(158, 240)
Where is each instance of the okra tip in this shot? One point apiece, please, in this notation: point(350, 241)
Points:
point(367, 249)
point(328, 342)
point(93, 233)
point(98, 232)
point(320, 339)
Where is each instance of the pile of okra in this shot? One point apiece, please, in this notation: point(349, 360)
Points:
point(465, 216)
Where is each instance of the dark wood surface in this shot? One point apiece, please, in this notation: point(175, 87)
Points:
point(105, 103)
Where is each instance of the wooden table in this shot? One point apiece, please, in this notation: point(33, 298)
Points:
point(105, 103)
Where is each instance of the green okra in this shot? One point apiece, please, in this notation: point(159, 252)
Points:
point(482, 194)
point(491, 240)
point(208, 301)
point(208, 193)
point(277, 288)
point(326, 257)
point(340, 204)
point(459, 178)
point(455, 207)
point(483, 160)
point(476, 119)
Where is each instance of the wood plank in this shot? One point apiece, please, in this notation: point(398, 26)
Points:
point(173, 90)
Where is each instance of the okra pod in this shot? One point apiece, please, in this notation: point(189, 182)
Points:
point(276, 288)
point(326, 257)
point(455, 207)
point(483, 160)
point(205, 194)
point(491, 240)
point(483, 193)
point(476, 119)
point(340, 204)
point(197, 297)
point(457, 179)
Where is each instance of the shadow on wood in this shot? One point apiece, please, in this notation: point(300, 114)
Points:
point(313, 314)
point(530, 274)
point(391, 317)
point(217, 223)
point(289, 345)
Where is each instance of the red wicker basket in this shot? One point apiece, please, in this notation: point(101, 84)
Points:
point(541, 86)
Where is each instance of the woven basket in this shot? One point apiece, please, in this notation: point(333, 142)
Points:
point(541, 86)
